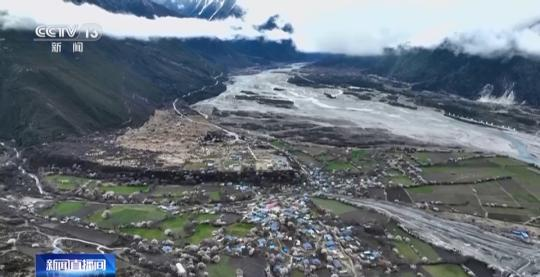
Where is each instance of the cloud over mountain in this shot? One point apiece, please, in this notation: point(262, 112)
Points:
point(355, 27)
point(26, 14)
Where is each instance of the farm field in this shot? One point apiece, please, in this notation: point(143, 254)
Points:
point(461, 173)
point(413, 249)
point(124, 189)
point(147, 233)
point(460, 198)
point(70, 183)
point(176, 224)
point(239, 229)
point(67, 183)
point(202, 232)
point(170, 190)
point(66, 208)
point(125, 214)
point(427, 157)
point(79, 209)
point(401, 180)
point(493, 192)
point(333, 206)
point(222, 269)
point(513, 199)
point(445, 270)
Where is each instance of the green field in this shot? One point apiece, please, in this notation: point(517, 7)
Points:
point(278, 143)
point(333, 206)
point(446, 270)
point(173, 190)
point(64, 182)
point(407, 252)
point(239, 229)
point(473, 169)
point(492, 192)
point(461, 197)
point(510, 215)
point(422, 189)
point(65, 208)
point(425, 250)
point(67, 183)
point(215, 195)
point(206, 217)
point(527, 177)
point(407, 274)
point(358, 154)
point(202, 232)
point(195, 166)
point(338, 165)
point(521, 190)
point(463, 173)
point(405, 249)
point(223, 269)
point(402, 179)
point(129, 213)
point(423, 157)
point(147, 233)
point(505, 162)
point(426, 157)
point(176, 224)
point(124, 189)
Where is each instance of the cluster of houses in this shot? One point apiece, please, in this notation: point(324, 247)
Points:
point(293, 238)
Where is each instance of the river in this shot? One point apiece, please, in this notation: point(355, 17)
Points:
point(424, 124)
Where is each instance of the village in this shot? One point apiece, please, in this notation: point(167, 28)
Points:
point(216, 203)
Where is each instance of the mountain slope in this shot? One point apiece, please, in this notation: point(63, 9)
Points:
point(445, 70)
point(114, 83)
point(208, 9)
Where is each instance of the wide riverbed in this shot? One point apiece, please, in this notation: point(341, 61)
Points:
point(424, 124)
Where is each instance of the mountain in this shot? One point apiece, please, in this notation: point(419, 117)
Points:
point(444, 69)
point(208, 9)
point(114, 83)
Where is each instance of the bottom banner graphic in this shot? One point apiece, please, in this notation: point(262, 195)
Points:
point(75, 265)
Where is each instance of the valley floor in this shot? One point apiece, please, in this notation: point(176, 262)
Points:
point(275, 178)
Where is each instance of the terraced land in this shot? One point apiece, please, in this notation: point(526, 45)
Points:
point(514, 198)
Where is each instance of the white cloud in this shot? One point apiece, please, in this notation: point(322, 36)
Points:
point(359, 27)
point(368, 26)
point(28, 13)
